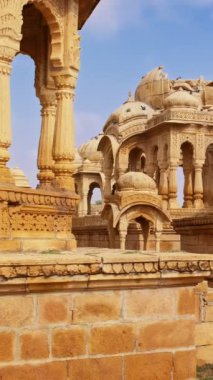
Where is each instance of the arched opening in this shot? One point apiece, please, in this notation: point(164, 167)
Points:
point(186, 177)
point(137, 160)
point(208, 177)
point(36, 78)
point(25, 118)
point(138, 234)
point(94, 199)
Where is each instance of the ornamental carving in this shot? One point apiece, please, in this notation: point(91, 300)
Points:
point(11, 18)
point(29, 221)
point(140, 198)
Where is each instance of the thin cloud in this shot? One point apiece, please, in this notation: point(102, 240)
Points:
point(112, 16)
point(87, 125)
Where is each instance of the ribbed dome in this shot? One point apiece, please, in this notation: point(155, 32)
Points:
point(89, 149)
point(128, 110)
point(136, 181)
point(181, 99)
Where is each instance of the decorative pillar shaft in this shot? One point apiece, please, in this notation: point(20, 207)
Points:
point(5, 120)
point(45, 156)
point(198, 185)
point(107, 187)
point(123, 233)
point(82, 207)
point(173, 186)
point(163, 187)
point(188, 188)
point(63, 148)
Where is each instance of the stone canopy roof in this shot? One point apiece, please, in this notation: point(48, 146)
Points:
point(86, 7)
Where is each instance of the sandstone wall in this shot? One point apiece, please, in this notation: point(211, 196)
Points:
point(98, 335)
point(100, 315)
point(204, 326)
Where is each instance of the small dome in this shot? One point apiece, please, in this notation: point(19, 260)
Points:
point(128, 110)
point(19, 177)
point(181, 99)
point(89, 149)
point(78, 160)
point(136, 181)
point(153, 88)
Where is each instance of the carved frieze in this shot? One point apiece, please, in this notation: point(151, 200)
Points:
point(181, 115)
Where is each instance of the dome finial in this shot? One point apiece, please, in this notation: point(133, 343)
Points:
point(130, 97)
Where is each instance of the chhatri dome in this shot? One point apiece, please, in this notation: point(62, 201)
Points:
point(181, 99)
point(88, 151)
point(130, 109)
point(137, 181)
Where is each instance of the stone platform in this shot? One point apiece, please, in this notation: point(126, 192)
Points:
point(103, 314)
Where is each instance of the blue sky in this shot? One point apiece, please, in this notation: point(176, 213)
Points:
point(121, 41)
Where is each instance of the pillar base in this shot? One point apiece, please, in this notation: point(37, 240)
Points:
point(198, 204)
point(6, 176)
point(173, 203)
point(36, 219)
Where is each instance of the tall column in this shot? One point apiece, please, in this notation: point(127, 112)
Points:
point(188, 188)
point(163, 187)
point(63, 147)
point(5, 120)
point(198, 185)
point(173, 204)
point(45, 156)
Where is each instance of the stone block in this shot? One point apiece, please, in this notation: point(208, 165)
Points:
point(96, 369)
point(150, 303)
point(156, 366)
point(49, 371)
point(112, 339)
point(204, 334)
point(89, 308)
point(34, 345)
point(53, 309)
point(16, 311)
point(184, 365)
point(166, 334)
point(205, 355)
point(6, 346)
point(209, 314)
point(68, 342)
point(186, 301)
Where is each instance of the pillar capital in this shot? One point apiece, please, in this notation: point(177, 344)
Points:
point(65, 81)
point(7, 53)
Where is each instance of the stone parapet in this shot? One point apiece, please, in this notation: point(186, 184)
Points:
point(101, 268)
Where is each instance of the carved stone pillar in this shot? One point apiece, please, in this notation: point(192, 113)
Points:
point(63, 147)
point(123, 233)
point(163, 187)
point(173, 186)
point(188, 188)
point(45, 152)
point(5, 120)
point(198, 185)
point(83, 205)
point(157, 240)
point(107, 188)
